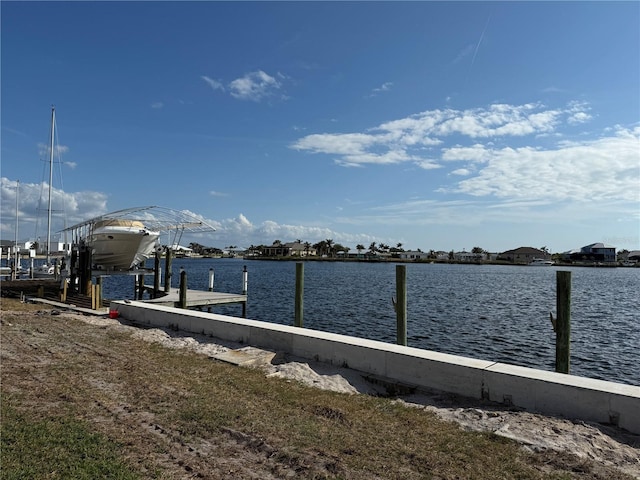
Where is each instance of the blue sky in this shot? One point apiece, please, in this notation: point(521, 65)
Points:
point(436, 125)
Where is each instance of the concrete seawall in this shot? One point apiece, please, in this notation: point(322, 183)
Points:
point(534, 390)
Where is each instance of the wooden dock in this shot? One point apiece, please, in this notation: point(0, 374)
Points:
point(198, 299)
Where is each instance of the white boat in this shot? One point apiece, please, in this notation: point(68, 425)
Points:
point(121, 244)
point(540, 262)
point(125, 239)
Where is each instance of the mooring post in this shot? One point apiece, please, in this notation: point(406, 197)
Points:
point(299, 303)
point(245, 289)
point(245, 280)
point(401, 304)
point(140, 286)
point(167, 267)
point(156, 274)
point(563, 321)
point(183, 288)
point(98, 292)
point(63, 292)
point(211, 278)
point(73, 269)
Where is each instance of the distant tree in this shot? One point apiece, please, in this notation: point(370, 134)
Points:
point(277, 242)
point(359, 247)
point(373, 248)
point(399, 247)
point(307, 246)
point(544, 249)
point(451, 255)
point(432, 254)
point(340, 248)
point(477, 250)
point(321, 247)
point(329, 243)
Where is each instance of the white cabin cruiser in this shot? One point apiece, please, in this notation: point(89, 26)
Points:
point(121, 244)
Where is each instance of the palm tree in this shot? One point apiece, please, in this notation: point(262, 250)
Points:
point(329, 243)
point(307, 246)
point(359, 247)
point(373, 247)
point(320, 247)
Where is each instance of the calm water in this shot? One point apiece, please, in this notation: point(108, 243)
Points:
point(498, 313)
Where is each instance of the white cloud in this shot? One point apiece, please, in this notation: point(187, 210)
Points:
point(462, 172)
point(214, 84)
point(243, 232)
point(44, 150)
point(385, 87)
point(157, 105)
point(602, 169)
point(412, 139)
point(67, 208)
point(254, 86)
point(215, 193)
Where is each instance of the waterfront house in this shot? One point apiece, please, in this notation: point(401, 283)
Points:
point(523, 255)
point(469, 257)
point(413, 255)
point(290, 249)
point(596, 252)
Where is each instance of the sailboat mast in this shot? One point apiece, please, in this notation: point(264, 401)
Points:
point(51, 144)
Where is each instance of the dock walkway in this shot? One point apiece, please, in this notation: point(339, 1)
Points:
point(197, 298)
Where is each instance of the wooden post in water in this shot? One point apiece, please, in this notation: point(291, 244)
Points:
point(299, 303)
point(563, 321)
point(245, 289)
point(167, 269)
point(401, 304)
point(183, 288)
point(211, 279)
point(140, 286)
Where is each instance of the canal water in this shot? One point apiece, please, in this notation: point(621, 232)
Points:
point(490, 312)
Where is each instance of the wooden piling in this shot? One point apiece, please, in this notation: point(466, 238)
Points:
point(156, 274)
point(168, 258)
point(211, 279)
point(563, 321)
point(98, 292)
point(183, 289)
point(401, 304)
point(245, 289)
point(140, 286)
point(299, 301)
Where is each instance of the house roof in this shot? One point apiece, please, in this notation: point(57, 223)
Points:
point(524, 251)
point(597, 245)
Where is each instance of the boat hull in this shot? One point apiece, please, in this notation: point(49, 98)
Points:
point(121, 247)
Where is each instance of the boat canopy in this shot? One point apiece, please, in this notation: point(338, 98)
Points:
point(168, 221)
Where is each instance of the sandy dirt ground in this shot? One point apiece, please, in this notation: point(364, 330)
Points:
point(605, 445)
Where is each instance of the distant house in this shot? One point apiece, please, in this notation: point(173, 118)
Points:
point(180, 251)
point(470, 257)
point(596, 252)
point(291, 249)
point(413, 255)
point(634, 255)
point(523, 255)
